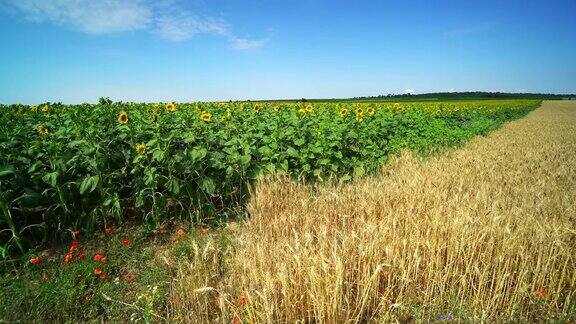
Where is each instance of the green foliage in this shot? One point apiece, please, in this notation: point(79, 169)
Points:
point(82, 166)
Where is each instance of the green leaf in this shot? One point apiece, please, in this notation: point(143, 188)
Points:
point(34, 166)
point(346, 177)
point(245, 159)
point(158, 155)
point(174, 186)
point(151, 142)
point(89, 184)
point(292, 152)
point(51, 178)
point(149, 176)
point(198, 154)
point(30, 199)
point(6, 171)
point(359, 171)
point(208, 186)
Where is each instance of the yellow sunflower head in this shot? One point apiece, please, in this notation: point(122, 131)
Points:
point(370, 111)
point(123, 118)
point(276, 108)
point(205, 117)
point(309, 108)
point(45, 108)
point(359, 117)
point(42, 130)
point(141, 148)
point(257, 108)
point(359, 111)
point(302, 111)
point(171, 107)
point(343, 112)
point(33, 108)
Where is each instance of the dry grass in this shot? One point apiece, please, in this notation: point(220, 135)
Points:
point(475, 232)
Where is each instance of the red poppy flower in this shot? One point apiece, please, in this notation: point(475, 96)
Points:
point(108, 230)
point(129, 277)
point(98, 257)
point(540, 293)
point(73, 249)
point(81, 256)
point(243, 299)
point(103, 275)
point(104, 259)
point(236, 319)
point(125, 242)
point(98, 271)
point(36, 260)
point(175, 301)
point(68, 257)
point(202, 230)
point(75, 243)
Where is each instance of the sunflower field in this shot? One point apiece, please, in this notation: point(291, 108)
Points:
point(65, 167)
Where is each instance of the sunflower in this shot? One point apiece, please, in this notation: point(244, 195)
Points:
point(343, 112)
point(206, 116)
point(276, 108)
point(141, 148)
point(42, 130)
point(359, 111)
point(309, 108)
point(257, 108)
point(359, 117)
point(171, 107)
point(123, 118)
point(370, 111)
point(33, 108)
point(302, 111)
point(45, 108)
point(152, 118)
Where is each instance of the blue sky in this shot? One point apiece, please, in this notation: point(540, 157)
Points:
point(188, 50)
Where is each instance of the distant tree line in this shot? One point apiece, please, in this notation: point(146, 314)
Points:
point(470, 95)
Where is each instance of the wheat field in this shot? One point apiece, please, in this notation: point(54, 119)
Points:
point(485, 232)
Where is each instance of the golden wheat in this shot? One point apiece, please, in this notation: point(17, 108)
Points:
point(484, 232)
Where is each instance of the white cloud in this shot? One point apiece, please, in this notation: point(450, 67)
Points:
point(484, 26)
point(96, 17)
point(165, 18)
point(409, 91)
point(184, 25)
point(247, 44)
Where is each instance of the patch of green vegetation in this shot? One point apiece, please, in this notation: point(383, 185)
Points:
point(131, 284)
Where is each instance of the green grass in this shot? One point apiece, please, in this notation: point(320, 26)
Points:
point(59, 292)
